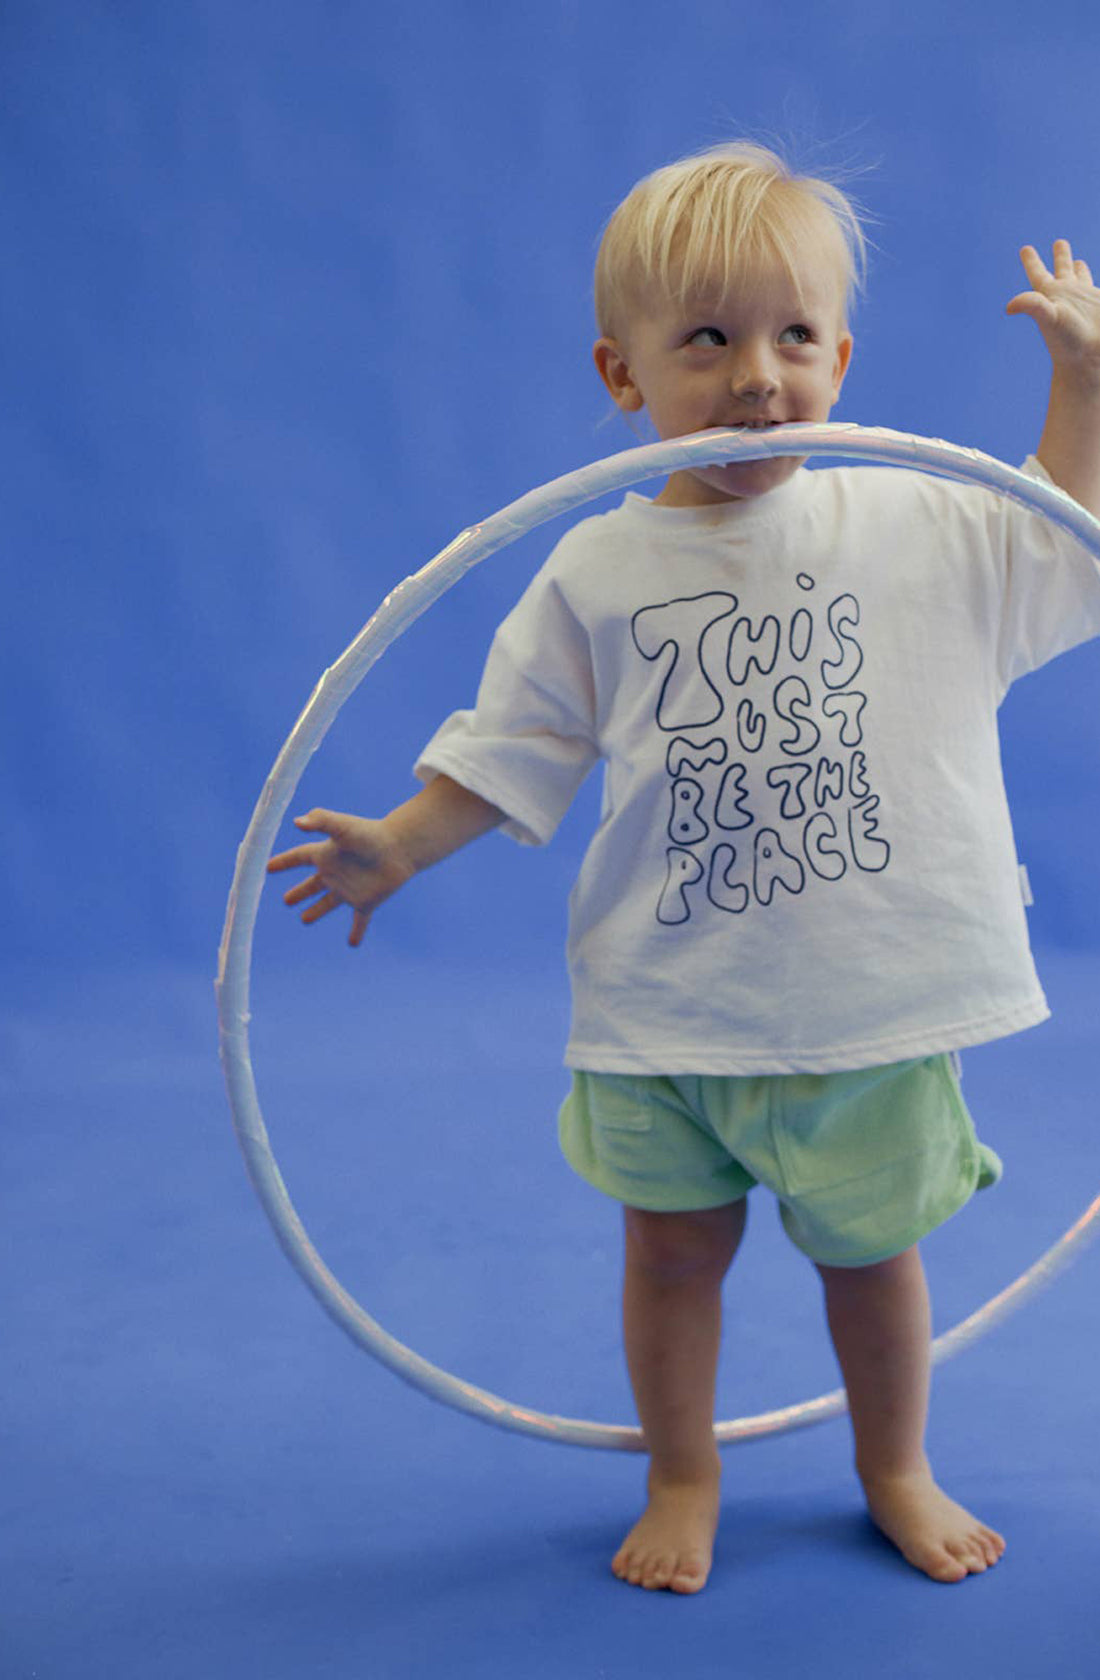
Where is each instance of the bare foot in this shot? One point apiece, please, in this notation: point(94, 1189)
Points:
point(672, 1544)
point(929, 1529)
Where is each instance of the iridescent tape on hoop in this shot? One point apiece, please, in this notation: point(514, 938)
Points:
point(397, 612)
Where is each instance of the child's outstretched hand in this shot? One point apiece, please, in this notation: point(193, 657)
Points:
point(1065, 307)
point(361, 865)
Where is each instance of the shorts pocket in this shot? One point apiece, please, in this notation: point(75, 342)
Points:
point(615, 1102)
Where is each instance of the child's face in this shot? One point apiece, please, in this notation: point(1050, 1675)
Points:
point(757, 355)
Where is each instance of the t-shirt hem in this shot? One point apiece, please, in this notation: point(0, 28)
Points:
point(680, 1060)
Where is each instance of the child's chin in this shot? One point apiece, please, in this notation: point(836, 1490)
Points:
point(754, 478)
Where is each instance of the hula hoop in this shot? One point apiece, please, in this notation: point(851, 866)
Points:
point(397, 612)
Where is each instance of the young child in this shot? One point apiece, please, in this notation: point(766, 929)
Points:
point(803, 894)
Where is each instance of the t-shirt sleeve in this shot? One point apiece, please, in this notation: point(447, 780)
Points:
point(1051, 598)
point(530, 741)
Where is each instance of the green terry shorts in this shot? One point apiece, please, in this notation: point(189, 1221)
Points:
point(864, 1163)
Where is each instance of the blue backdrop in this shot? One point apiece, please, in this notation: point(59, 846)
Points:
point(291, 294)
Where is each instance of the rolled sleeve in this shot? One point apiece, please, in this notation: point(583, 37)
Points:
point(530, 741)
point(1051, 600)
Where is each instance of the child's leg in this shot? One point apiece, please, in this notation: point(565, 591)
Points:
point(881, 1325)
point(672, 1317)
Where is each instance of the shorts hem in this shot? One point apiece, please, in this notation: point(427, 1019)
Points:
point(879, 1257)
point(651, 1204)
point(924, 1228)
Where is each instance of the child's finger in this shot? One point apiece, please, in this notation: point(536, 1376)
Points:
point(1063, 258)
point(359, 926)
point(1030, 303)
point(1034, 266)
point(327, 821)
point(298, 857)
point(331, 901)
point(304, 890)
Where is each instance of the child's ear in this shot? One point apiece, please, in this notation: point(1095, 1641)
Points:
point(614, 369)
point(841, 365)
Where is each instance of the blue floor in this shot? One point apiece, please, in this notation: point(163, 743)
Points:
point(204, 1477)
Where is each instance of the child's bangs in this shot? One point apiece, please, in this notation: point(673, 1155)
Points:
point(723, 238)
point(704, 223)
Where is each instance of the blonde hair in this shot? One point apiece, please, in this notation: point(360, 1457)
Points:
point(715, 214)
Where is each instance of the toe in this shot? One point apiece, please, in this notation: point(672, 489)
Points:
point(942, 1564)
point(626, 1566)
point(690, 1577)
point(658, 1572)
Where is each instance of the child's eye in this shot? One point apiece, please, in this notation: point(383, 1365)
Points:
point(804, 334)
point(713, 334)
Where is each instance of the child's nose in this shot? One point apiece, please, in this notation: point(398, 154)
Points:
point(754, 384)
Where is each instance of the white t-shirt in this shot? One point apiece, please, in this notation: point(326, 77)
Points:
point(805, 859)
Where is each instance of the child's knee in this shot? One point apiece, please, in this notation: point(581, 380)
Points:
point(674, 1247)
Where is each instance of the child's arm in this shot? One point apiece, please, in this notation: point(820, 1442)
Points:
point(1065, 306)
point(364, 862)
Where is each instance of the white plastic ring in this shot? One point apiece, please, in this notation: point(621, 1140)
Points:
point(394, 616)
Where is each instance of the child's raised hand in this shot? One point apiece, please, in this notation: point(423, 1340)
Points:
point(1065, 307)
point(360, 865)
